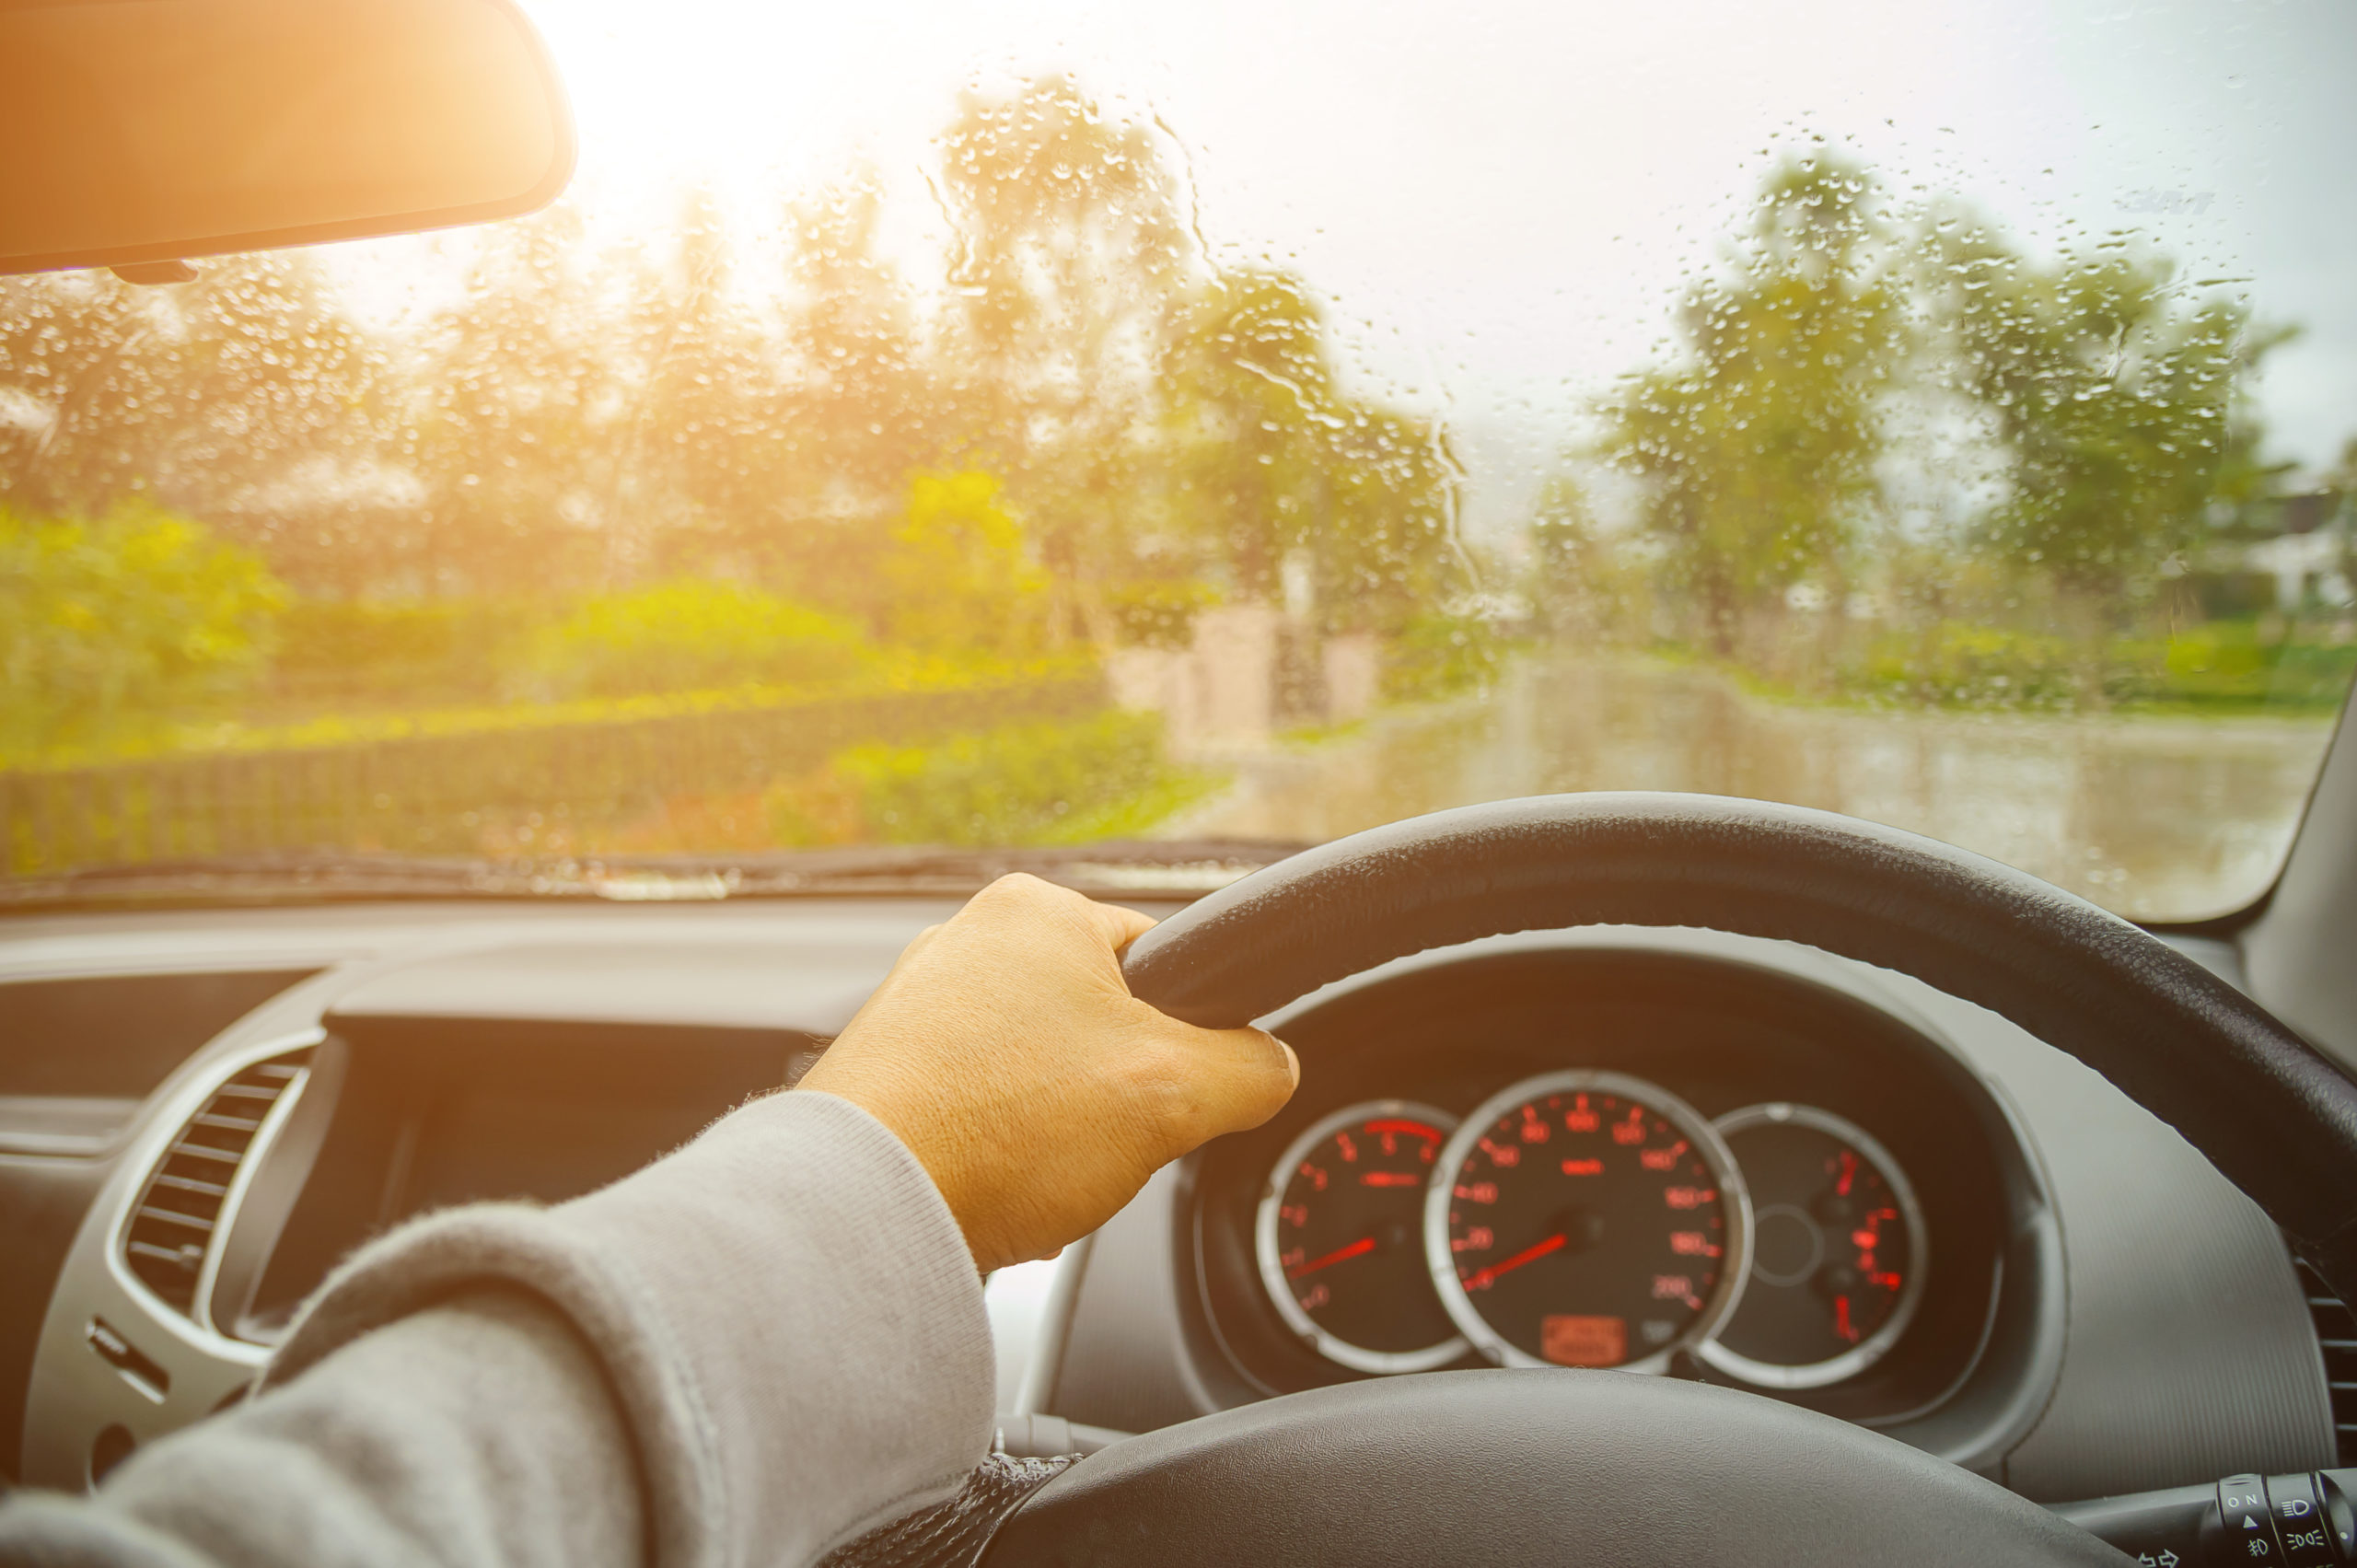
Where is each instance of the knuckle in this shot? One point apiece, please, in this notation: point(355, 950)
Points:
point(1167, 1082)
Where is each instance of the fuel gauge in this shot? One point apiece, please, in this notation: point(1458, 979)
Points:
point(1838, 1251)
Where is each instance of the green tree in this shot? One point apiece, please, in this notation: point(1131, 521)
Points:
point(855, 407)
point(2116, 397)
point(1266, 455)
point(1071, 264)
point(1758, 443)
point(693, 470)
point(249, 398)
point(121, 621)
point(1246, 421)
point(960, 576)
point(517, 417)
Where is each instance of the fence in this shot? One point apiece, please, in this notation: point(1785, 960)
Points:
point(436, 795)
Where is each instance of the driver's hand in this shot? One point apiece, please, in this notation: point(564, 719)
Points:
point(1006, 1051)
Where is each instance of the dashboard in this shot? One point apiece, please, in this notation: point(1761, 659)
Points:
point(1675, 1153)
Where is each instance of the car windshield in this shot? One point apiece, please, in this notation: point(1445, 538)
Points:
point(1051, 425)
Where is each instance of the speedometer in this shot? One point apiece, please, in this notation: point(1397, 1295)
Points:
point(1586, 1219)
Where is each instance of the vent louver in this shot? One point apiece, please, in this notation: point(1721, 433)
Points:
point(2336, 1328)
point(179, 1214)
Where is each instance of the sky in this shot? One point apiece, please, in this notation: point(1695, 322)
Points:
point(1501, 200)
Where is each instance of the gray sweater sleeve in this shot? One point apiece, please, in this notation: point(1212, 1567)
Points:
point(756, 1348)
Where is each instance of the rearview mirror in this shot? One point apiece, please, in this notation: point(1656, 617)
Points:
point(146, 130)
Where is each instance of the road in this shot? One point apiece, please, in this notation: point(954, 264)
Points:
point(2159, 818)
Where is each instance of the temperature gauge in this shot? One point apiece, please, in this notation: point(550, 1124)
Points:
point(1838, 1249)
point(1341, 1238)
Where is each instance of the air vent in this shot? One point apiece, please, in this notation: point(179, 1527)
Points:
point(2336, 1337)
point(173, 1228)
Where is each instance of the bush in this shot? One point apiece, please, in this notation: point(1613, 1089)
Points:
point(960, 574)
point(1955, 664)
point(2233, 665)
point(405, 653)
point(1440, 655)
point(1039, 783)
point(2218, 666)
point(1158, 614)
point(689, 635)
point(122, 622)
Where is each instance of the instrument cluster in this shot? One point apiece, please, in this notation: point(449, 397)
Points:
point(1587, 1218)
point(1655, 1164)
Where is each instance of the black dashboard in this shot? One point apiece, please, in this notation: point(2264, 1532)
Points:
point(2024, 1272)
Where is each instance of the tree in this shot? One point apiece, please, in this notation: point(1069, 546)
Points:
point(1267, 455)
point(1250, 404)
point(960, 576)
point(1757, 444)
point(1071, 265)
point(517, 418)
point(855, 407)
point(248, 397)
point(116, 621)
point(2116, 399)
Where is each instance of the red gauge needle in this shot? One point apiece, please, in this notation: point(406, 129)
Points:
point(1340, 1254)
point(1527, 1255)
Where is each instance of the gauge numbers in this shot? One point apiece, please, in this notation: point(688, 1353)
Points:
point(1339, 1239)
point(1586, 1219)
point(1839, 1250)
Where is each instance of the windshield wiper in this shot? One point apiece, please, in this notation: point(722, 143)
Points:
point(1134, 868)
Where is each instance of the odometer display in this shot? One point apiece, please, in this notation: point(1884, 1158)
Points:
point(1586, 1219)
point(1340, 1242)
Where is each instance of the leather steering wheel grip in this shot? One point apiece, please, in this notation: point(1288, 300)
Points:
point(1503, 1468)
point(2272, 1115)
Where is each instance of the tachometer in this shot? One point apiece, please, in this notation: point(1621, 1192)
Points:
point(1339, 1239)
point(1586, 1219)
point(1838, 1255)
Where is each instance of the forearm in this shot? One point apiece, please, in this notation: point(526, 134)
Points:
point(755, 1348)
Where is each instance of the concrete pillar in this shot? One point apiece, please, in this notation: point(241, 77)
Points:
point(1353, 676)
point(1234, 660)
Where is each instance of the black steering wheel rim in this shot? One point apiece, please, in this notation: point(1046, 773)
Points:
point(2274, 1116)
point(1501, 1466)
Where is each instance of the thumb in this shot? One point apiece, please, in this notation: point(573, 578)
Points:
point(1236, 1078)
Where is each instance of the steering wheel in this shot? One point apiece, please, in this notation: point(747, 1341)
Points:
point(1500, 1468)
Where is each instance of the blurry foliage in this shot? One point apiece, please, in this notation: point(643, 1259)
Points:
point(690, 634)
point(2237, 666)
point(1441, 655)
point(247, 398)
point(681, 461)
point(1758, 443)
point(1585, 591)
point(2111, 395)
point(104, 622)
point(1158, 614)
point(1021, 783)
point(362, 652)
point(1887, 452)
point(959, 575)
point(584, 417)
point(1269, 458)
point(2251, 665)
